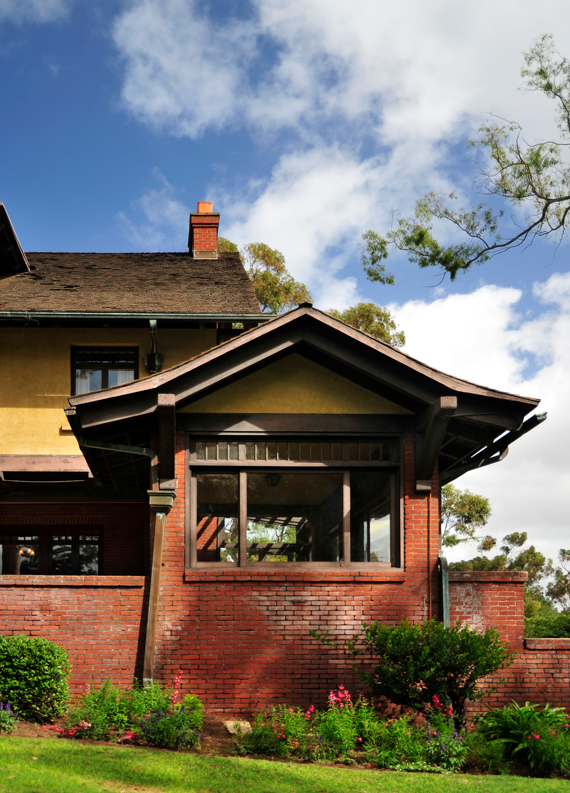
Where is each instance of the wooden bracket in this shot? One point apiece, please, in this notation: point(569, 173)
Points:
point(166, 438)
point(433, 423)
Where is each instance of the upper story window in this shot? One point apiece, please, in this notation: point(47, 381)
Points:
point(277, 502)
point(93, 368)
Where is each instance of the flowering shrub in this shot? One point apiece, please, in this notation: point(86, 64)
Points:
point(109, 713)
point(354, 730)
point(8, 718)
point(412, 662)
point(174, 728)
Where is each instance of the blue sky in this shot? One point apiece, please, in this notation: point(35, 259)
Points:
point(305, 122)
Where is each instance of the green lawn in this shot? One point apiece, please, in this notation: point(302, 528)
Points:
point(29, 765)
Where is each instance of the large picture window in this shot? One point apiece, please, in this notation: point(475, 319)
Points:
point(255, 503)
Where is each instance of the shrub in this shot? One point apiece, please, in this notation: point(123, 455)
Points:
point(8, 718)
point(414, 663)
point(33, 676)
point(538, 738)
point(109, 712)
point(347, 731)
point(175, 728)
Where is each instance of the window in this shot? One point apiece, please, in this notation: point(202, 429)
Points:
point(55, 552)
point(270, 502)
point(93, 368)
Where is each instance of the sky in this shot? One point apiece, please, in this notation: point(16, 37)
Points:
point(306, 122)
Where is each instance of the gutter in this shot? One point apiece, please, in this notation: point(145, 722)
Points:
point(135, 315)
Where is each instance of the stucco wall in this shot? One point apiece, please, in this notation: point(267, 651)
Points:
point(36, 378)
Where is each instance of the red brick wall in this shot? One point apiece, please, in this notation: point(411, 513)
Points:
point(96, 618)
point(540, 672)
point(243, 639)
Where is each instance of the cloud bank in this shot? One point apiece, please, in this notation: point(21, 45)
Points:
point(481, 337)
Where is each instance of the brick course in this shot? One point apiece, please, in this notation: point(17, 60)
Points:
point(242, 637)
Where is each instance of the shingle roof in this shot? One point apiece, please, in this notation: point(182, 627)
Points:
point(166, 283)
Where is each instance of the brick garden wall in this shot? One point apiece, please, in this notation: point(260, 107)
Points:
point(540, 672)
point(98, 619)
point(241, 637)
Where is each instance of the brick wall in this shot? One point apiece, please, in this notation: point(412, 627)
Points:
point(243, 638)
point(98, 619)
point(540, 672)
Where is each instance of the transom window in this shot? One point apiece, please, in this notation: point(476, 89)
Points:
point(277, 502)
point(94, 368)
point(64, 552)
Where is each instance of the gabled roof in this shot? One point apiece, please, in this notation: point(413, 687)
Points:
point(140, 284)
point(12, 257)
point(480, 416)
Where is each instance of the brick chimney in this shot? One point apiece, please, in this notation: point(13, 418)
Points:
point(203, 236)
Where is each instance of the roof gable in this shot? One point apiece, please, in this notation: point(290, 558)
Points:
point(294, 385)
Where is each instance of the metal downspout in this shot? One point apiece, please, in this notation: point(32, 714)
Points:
point(444, 571)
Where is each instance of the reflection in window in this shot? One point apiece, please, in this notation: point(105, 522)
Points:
point(102, 367)
point(294, 517)
point(45, 553)
point(370, 502)
point(217, 530)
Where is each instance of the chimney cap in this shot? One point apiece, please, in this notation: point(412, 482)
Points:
point(205, 207)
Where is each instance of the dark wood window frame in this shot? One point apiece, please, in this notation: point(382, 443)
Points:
point(104, 367)
point(242, 466)
point(45, 535)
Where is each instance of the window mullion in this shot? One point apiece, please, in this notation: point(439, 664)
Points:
point(242, 519)
point(346, 517)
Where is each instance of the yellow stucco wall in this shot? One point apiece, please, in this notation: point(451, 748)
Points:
point(35, 378)
point(294, 385)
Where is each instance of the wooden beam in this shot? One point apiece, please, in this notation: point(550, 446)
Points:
point(166, 438)
point(433, 422)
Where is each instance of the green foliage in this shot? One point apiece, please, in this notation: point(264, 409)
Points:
point(413, 663)
point(33, 676)
point(173, 728)
point(463, 514)
point(8, 718)
point(551, 626)
point(539, 738)
point(535, 175)
point(110, 711)
point(374, 320)
point(559, 588)
point(226, 246)
point(355, 732)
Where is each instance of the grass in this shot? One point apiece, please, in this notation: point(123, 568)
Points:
point(30, 765)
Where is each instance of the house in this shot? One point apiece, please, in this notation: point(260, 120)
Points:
point(188, 483)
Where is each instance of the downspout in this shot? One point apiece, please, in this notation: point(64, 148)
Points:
point(444, 570)
point(429, 552)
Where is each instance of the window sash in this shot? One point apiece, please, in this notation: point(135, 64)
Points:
point(114, 365)
point(44, 542)
point(191, 555)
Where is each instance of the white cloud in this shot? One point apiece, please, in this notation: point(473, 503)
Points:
point(373, 94)
point(480, 337)
point(19, 11)
point(164, 223)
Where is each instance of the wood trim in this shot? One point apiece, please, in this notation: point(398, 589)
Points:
point(242, 524)
point(346, 560)
point(193, 518)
